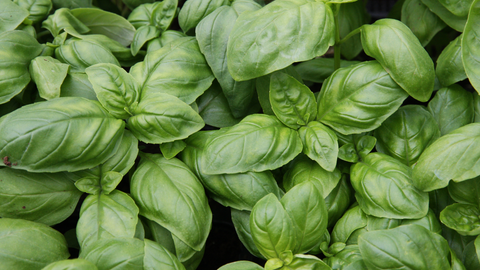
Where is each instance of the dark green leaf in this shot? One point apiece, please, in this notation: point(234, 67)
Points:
point(449, 64)
point(463, 218)
point(241, 221)
point(214, 109)
point(471, 46)
point(466, 191)
point(319, 69)
point(459, 8)
point(350, 17)
point(423, 23)
point(455, 22)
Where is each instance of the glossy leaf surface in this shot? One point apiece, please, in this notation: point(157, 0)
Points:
point(194, 11)
point(423, 23)
point(463, 218)
point(450, 68)
point(320, 144)
point(48, 74)
point(455, 22)
point(470, 46)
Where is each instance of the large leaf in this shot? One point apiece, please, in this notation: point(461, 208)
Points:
point(405, 247)
point(17, 49)
point(29, 245)
point(11, 15)
point(178, 69)
point(277, 35)
point(450, 65)
point(423, 23)
point(406, 133)
point(45, 198)
point(453, 156)
point(471, 46)
point(455, 22)
point(258, 143)
point(358, 98)
point(62, 134)
point(106, 216)
point(384, 188)
point(397, 49)
point(157, 183)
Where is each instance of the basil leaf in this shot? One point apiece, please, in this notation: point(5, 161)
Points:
point(320, 144)
point(116, 89)
point(466, 191)
point(71, 4)
point(452, 107)
point(212, 34)
point(358, 98)
point(193, 11)
point(11, 15)
point(241, 265)
point(143, 14)
point(397, 49)
point(402, 247)
point(30, 245)
point(241, 221)
point(106, 216)
point(350, 17)
point(277, 35)
point(384, 188)
point(76, 84)
point(161, 118)
point(338, 200)
point(18, 48)
point(77, 264)
point(273, 230)
point(463, 218)
point(453, 156)
point(459, 8)
point(171, 149)
point(106, 23)
point(44, 198)
point(449, 64)
point(423, 23)
point(153, 186)
point(143, 35)
point(48, 74)
point(178, 69)
point(406, 133)
point(63, 20)
point(318, 70)
point(166, 37)
point(353, 219)
point(455, 22)
point(43, 137)
point(470, 50)
point(257, 143)
point(37, 9)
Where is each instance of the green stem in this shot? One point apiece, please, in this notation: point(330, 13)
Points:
point(336, 47)
point(354, 32)
point(43, 33)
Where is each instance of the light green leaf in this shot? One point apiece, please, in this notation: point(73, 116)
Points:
point(348, 153)
point(358, 98)
point(452, 156)
point(38, 9)
point(455, 22)
point(48, 74)
point(45, 198)
point(11, 15)
point(463, 218)
point(423, 23)
point(353, 219)
point(62, 134)
point(470, 46)
point(63, 20)
point(193, 11)
point(458, 8)
point(156, 182)
point(76, 84)
point(71, 264)
point(171, 149)
point(397, 49)
point(241, 265)
point(178, 69)
point(143, 35)
point(143, 14)
point(258, 143)
point(320, 144)
point(449, 64)
point(277, 35)
point(305, 262)
point(166, 37)
point(384, 188)
point(106, 216)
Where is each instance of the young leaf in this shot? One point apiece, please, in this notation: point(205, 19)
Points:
point(320, 144)
point(463, 218)
point(258, 143)
point(38, 9)
point(241, 265)
point(406, 133)
point(358, 98)
point(423, 23)
point(143, 35)
point(143, 14)
point(116, 89)
point(397, 49)
point(350, 17)
point(171, 149)
point(277, 35)
point(48, 74)
point(455, 22)
point(452, 156)
point(164, 14)
point(11, 15)
point(63, 20)
point(470, 46)
point(193, 11)
point(44, 137)
point(384, 188)
point(449, 64)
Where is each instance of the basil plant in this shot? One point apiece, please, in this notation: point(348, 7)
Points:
point(334, 139)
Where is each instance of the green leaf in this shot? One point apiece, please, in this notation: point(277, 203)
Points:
point(171, 149)
point(161, 118)
point(11, 15)
point(273, 230)
point(470, 46)
point(76, 84)
point(277, 35)
point(116, 89)
point(44, 137)
point(241, 265)
point(318, 70)
point(452, 107)
point(353, 219)
point(348, 153)
point(178, 69)
point(45, 198)
point(476, 106)
point(397, 49)
point(423, 23)
point(193, 11)
point(143, 14)
point(463, 218)
point(455, 22)
point(449, 64)
point(303, 261)
point(48, 74)
point(212, 34)
point(310, 223)
point(292, 102)
point(80, 54)
point(166, 37)
point(29, 245)
point(38, 9)
point(407, 247)
point(143, 35)
point(466, 191)
point(156, 182)
point(71, 4)
point(258, 143)
point(77, 264)
point(241, 221)
point(338, 200)
point(459, 8)
point(452, 156)
point(358, 98)
point(350, 17)
point(63, 20)
point(303, 169)
point(106, 23)
point(406, 133)
point(384, 188)
point(17, 49)
point(106, 216)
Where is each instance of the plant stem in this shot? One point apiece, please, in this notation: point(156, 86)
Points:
point(336, 47)
point(354, 32)
point(43, 33)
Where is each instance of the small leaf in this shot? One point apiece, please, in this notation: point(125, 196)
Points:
point(171, 149)
point(48, 74)
point(449, 64)
point(463, 218)
point(143, 35)
point(194, 11)
point(347, 152)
